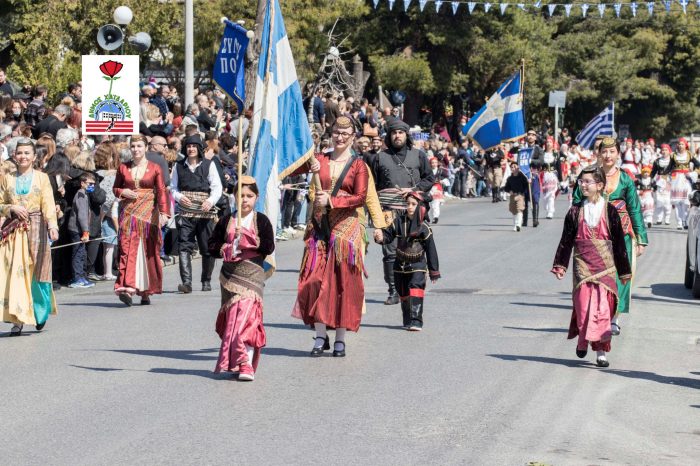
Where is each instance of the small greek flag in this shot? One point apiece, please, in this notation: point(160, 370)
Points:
point(601, 125)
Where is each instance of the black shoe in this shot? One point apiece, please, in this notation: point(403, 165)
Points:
point(185, 288)
point(602, 362)
point(339, 353)
point(535, 224)
point(16, 330)
point(40, 327)
point(392, 299)
point(56, 286)
point(206, 286)
point(581, 353)
point(435, 220)
point(318, 350)
point(126, 299)
point(145, 300)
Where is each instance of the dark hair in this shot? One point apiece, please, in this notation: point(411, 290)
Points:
point(597, 173)
point(73, 86)
point(253, 187)
point(38, 90)
point(87, 176)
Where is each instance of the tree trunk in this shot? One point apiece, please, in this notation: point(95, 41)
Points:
point(253, 55)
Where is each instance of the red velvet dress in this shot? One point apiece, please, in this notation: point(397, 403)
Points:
point(331, 288)
point(140, 238)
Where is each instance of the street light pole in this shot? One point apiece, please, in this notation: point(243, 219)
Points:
point(189, 52)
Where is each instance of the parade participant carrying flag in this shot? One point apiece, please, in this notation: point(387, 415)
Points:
point(281, 140)
point(501, 119)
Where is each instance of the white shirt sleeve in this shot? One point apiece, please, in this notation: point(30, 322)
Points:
point(215, 184)
point(174, 185)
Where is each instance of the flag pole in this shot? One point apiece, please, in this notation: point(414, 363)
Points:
point(239, 198)
point(522, 96)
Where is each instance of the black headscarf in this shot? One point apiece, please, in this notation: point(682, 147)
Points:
point(194, 139)
point(394, 124)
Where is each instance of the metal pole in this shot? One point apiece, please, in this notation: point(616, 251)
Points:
point(556, 124)
point(239, 199)
point(189, 52)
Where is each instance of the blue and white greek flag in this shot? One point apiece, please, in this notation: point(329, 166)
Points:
point(501, 119)
point(601, 125)
point(281, 140)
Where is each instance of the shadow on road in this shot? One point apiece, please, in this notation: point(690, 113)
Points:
point(289, 326)
point(97, 369)
point(195, 372)
point(641, 375)
point(531, 329)
point(671, 290)
point(290, 353)
point(554, 306)
point(117, 304)
point(185, 355)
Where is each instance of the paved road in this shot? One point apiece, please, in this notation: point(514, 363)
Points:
point(491, 380)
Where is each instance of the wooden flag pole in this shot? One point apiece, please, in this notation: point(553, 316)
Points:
point(239, 199)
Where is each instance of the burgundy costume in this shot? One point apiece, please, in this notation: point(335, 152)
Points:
point(599, 254)
point(140, 237)
point(331, 290)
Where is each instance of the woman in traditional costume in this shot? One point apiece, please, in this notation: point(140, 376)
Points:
point(330, 290)
point(622, 194)
point(243, 248)
point(593, 229)
point(27, 203)
point(680, 184)
point(143, 210)
point(661, 176)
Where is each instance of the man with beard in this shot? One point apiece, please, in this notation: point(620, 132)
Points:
point(398, 170)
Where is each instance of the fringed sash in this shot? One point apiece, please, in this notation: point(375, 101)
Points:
point(243, 278)
point(197, 198)
point(39, 248)
point(346, 242)
point(621, 207)
point(392, 199)
point(594, 263)
point(139, 215)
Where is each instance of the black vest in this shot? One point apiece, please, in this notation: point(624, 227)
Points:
point(391, 172)
point(197, 181)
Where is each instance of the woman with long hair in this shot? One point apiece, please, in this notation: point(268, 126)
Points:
point(106, 162)
point(143, 210)
point(26, 199)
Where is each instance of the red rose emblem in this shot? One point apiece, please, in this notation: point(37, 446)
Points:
point(111, 68)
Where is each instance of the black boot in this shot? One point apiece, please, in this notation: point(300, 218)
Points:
point(406, 312)
point(494, 195)
point(208, 264)
point(535, 214)
point(416, 307)
point(525, 215)
point(393, 297)
point(185, 272)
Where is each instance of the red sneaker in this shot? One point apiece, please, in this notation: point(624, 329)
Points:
point(246, 373)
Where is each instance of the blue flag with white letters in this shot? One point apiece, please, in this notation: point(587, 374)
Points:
point(229, 70)
point(501, 119)
point(524, 157)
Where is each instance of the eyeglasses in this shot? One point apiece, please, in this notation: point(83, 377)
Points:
point(341, 135)
point(586, 182)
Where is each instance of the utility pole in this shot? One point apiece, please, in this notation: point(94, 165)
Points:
point(189, 52)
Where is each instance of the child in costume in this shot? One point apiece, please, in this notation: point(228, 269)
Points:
point(645, 188)
point(416, 257)
point(243, 248)
point(593, 230)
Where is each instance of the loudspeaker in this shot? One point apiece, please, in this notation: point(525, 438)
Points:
point(110, 37)
point(140, 42)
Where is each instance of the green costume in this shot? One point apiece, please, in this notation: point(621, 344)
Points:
point(626, 200)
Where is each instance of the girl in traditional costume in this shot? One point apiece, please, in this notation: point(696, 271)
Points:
point(550, 178)
point(27, 203)
point(593, 230)
point(680, 184)
point(243, 248)
point(621, 193)
point(661, 174)
point(143, 210)
point(331, 291)
point(645, 188)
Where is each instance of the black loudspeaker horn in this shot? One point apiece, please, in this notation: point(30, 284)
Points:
point(110, 37)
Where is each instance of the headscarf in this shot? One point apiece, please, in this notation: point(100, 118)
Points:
point(666, 146)
point(396, 124)
point(414, 227)
point(196, 140)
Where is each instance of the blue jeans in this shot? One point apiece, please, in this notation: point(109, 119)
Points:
point(79, 255)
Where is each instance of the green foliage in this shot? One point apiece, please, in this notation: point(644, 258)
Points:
point(403, 72)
